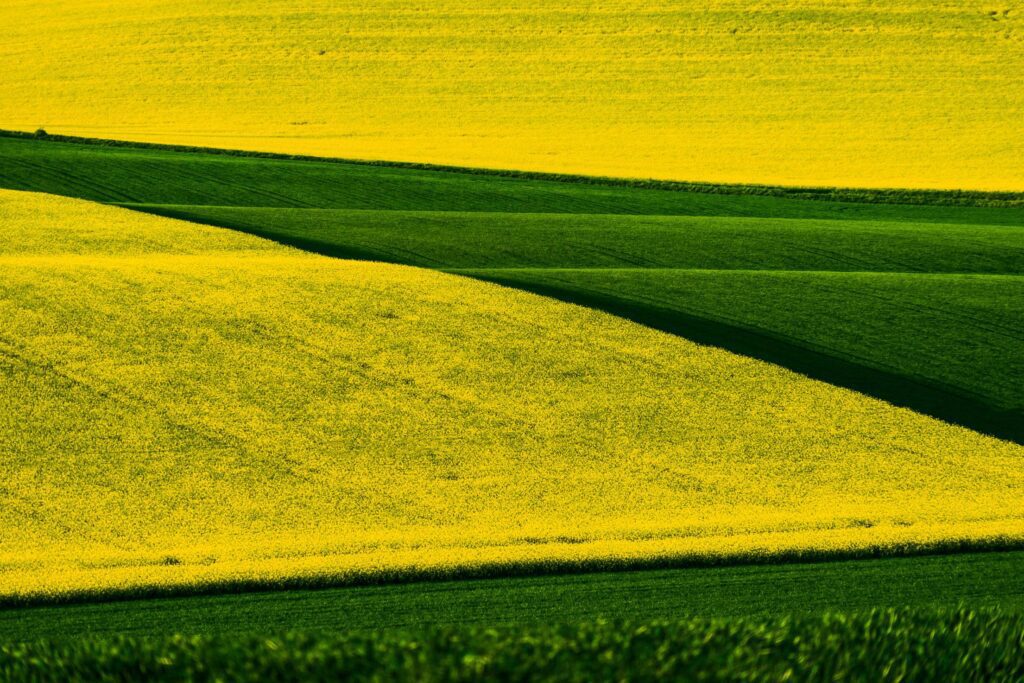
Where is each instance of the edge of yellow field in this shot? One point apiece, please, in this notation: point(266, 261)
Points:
point(173, 577)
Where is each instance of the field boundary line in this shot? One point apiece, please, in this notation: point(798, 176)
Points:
point(950, 197)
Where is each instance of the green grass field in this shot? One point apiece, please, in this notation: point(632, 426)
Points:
point(917, 304)
point(972, 580)
point(107, 171)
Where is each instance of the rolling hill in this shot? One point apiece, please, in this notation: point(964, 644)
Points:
point(910, 93)
point(911, 297)
point(192, 406)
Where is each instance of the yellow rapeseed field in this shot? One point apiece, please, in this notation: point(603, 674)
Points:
point(902, 93)
point(183, 404)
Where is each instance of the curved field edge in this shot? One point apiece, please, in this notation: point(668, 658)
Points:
point(914, 350)
point(922, 197)
point(920, 394)
point(173, 576)
point(877, 645)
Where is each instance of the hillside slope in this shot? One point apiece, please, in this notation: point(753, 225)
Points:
point(918, 303)
point(911, 93)
point(190, 405)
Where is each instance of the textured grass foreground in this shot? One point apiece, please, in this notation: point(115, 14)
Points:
point(889, 645)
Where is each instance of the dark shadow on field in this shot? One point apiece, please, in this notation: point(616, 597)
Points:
point(931, 399)
point(936, 400)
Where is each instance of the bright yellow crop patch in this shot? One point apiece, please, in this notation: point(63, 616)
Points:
point(902, 93)
point(184, 404)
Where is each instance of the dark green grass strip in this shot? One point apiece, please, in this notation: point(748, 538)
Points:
point(119, 172)
point(977, 580)
point(432, 239)
point(832, 194)
point(885, 645)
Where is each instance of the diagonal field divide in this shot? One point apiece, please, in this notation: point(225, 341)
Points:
point(124, 171)
point(931, 398)
point(939, 400)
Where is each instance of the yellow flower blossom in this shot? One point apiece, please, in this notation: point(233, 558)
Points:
point(902, 93)
point(185, 405)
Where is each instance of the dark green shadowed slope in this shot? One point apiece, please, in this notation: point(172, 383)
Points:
point(918, 304)
point(450, 239)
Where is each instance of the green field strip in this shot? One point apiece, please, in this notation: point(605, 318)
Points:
point(160, 175)
point(433, 239)
point(974, 580)
point(941, 197)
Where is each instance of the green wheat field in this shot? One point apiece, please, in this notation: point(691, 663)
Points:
point(347, 341)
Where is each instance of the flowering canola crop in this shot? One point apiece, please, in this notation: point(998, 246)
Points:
point(902, 93)
point(185, 405)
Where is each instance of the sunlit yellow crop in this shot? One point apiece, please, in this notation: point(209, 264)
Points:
point(184, 404)
point(901, 93)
